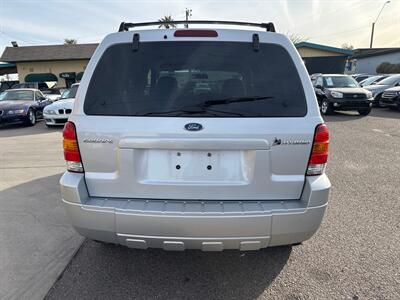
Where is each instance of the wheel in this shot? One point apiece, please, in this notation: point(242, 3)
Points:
point(31, 117)
point(364, 111)
point(377, 100)
point(326, 107)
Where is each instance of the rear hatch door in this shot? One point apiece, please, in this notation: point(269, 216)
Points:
point(195, 120)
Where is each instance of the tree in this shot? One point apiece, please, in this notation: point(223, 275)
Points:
point(70, 42)
point(347, 46)
point(388, 68)
point(296, 38)
point(167, 22)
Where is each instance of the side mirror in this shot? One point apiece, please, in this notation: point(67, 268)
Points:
point(318, 86)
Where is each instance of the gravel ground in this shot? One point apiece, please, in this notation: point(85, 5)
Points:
point(355, 254)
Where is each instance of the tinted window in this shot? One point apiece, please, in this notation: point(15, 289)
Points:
point(380, 79)
point(361, 78)
point(369, 80)
point(177, 78)
point(51, 92)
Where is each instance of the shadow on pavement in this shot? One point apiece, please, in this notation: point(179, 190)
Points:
point(37, 241)
point(112, 272)
point(385, 113)
point(11, 130)
point(343, 116)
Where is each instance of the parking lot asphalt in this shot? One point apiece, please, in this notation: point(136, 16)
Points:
point(36, 239)
point(355, 254)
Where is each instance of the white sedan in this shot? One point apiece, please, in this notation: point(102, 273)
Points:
point(58, 112)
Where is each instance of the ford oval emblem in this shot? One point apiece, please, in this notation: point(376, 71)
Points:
point(193, 126)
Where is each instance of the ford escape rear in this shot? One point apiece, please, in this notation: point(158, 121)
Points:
point(196, 139)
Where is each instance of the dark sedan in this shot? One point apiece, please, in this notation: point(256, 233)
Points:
point(341, 92)
point(391, 98)
point(22, 106)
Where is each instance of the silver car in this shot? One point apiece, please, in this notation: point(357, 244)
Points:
point(154, 161)
point(57, 113)
point(378, 88)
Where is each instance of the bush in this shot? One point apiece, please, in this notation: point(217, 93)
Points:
point(388, 68)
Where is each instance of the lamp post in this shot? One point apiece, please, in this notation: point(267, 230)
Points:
point(373, 24)
point(188, 13)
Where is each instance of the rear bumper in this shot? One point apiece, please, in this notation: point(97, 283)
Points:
point(206, 225)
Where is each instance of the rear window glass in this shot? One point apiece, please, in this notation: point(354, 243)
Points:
point(203, 79)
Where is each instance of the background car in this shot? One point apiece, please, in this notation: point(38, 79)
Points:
point(391, 98)
point(360, 77)
point(58, 112)
point(32, 85)
point(51, 90)
point(22, 105)
point(378, 88)
point(53, 94)
point(341, 92)
point(373, 80)
point(7, 85)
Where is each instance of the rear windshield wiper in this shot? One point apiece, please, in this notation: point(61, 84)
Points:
point(229, 100)
point(186, 110)
point(192, 110)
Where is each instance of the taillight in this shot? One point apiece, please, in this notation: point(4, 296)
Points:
point(319, 152)
point(71, 149)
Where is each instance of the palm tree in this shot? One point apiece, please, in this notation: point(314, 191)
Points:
point(167, 22)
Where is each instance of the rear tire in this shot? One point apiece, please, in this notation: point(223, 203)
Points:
point(377, 101)
point(31, 121)
point(326, 107)
point(364, 111)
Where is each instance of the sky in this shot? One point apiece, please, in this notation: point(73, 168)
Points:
point(329, 22)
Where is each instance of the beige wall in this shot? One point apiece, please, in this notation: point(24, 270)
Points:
point(54, 67)
point(309, 52)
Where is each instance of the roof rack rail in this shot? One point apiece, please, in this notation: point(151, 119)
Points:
point(268, 26)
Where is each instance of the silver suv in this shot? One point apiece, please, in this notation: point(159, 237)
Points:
point(196, 139)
